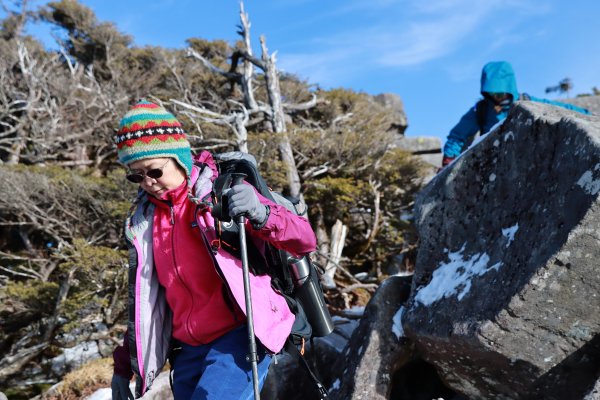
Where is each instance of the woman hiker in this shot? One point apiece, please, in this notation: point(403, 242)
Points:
point(185, 291)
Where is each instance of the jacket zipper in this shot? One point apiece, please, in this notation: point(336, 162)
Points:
point(175, 267)
point(230, 299)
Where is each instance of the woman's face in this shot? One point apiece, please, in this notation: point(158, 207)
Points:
point(156, 175)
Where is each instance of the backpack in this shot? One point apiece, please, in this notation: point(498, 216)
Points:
point(480, 111)
point(295, 279)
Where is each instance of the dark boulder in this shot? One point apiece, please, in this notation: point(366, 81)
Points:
point(287, 378)
point(505, 299)
point(378, 361)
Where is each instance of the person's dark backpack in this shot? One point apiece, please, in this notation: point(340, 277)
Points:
point(295, 279)
point(480, 113)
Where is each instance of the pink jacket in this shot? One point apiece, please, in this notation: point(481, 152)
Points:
point(149, 314)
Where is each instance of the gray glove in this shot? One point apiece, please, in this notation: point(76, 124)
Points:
point(244, 201)
point(120, 388)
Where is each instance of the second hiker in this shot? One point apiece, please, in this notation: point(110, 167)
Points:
point(499, 91)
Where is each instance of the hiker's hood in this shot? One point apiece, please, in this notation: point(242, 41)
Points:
point(499, 77)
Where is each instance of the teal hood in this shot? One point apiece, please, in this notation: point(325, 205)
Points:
point(499, 77)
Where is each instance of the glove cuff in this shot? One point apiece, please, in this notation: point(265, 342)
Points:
point(447, 160)
point(260, 225)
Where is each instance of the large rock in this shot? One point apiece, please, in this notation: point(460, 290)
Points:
point(505, 300)
point(427, 148)
point(160, 390)
point(394, 103)
point(378, 362)
point(591, 103)
point(74, 357)
point(287, 379)
point(594, 393)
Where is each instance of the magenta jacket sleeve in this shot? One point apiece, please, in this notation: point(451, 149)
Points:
point(286, 230)
point(122, 360)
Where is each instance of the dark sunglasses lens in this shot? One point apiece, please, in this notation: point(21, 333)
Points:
point(154, 173)
point(135, 178)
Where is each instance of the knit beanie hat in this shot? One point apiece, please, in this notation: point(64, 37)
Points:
point(149, 131)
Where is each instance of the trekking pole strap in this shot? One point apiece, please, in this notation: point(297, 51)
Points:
point(292, 349)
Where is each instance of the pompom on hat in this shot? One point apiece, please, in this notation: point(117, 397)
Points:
point(149, 131)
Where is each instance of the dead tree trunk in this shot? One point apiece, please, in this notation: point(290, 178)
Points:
point(273, 111)
point(278, 120)
point(236, 121)
point(338, 239)
point(322, 236)
point(248, 69)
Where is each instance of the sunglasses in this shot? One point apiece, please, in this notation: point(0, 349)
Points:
point(498, 96)
point(137, 176)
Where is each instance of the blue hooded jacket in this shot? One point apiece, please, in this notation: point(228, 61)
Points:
point(496, 77)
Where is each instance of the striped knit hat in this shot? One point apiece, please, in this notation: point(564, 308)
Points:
point(149, 131)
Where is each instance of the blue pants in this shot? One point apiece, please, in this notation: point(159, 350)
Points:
point(218, 370)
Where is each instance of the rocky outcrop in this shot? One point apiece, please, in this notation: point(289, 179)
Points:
point(427, 148)
point(594, 393)
point(160, 390)
point(74, 357)
point(591, 103)
point(375, 350)
point(393, 102)
point(505, 299)
point(287, 378)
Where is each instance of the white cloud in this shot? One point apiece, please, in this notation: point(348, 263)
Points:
point(425, 41)
point(327, 69)
point(403, 34)
point(446, 6)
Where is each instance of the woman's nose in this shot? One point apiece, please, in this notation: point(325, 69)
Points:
point(149, 181)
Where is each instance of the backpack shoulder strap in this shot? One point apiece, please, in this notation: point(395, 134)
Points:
point(237, 162)
point(480, 111)
point(253, 177)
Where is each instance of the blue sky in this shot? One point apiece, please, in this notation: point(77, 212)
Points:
point(429, 52)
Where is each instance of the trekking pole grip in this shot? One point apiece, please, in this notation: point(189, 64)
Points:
point(237, 178)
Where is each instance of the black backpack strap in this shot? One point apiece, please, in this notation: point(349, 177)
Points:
point(480, 111)
point(291, 349)
point(227, 231)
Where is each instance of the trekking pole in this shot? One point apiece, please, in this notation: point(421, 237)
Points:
point(252, 357)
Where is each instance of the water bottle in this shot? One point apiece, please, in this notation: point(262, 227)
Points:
point(310, 295)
